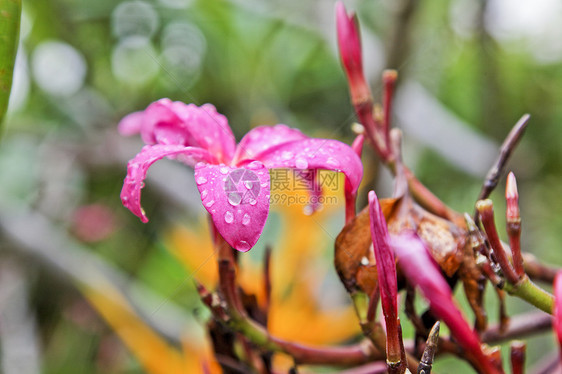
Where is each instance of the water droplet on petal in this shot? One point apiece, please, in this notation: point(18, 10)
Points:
point(286, 155)
point(246, 219)
point(228, 217)
point(301, 163)
point(248, 184)
point(253, 202)
point(199, 165)
point(234, 198)
point(243, 246)
point(209, 203)
point(204, 194)
point(255, 165)
point(201, 180)
point(223, 170)
point(333, 162)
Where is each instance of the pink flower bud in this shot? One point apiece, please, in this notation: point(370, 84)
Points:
point(349, 43)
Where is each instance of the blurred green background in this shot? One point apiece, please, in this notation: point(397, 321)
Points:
point(467, 71)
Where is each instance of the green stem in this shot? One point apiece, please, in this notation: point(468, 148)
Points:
point(10, 15)
point(532, 294)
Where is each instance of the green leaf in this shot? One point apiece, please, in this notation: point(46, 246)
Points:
point(10, 15)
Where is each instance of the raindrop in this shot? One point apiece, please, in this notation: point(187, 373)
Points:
point(204, 194)
point(333, 162)
point(223, 170)
point(228, 217)
point(201, 180)
point(255, 165)
point(246, 219)
point(248, 184)
point(243, 246)
point(253, 202)
point(286, 155)
point(234, 198)
point(209, 203)
point(301, 163)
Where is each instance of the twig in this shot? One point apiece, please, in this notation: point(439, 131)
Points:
point(426, 361)
point(538, 271)
point(486, 210)
point(507, 147)
point(519, 327)
point(518, 349)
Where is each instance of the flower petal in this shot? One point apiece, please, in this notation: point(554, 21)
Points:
point(208, 129)
point(131, 124)
point(420, 269)
point(237, 199)
point(167, 122)
point(138, 166)
point(315, 154)
point(262, 138)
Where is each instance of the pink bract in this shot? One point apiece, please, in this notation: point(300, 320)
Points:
point(233, 180)
point(386, 269)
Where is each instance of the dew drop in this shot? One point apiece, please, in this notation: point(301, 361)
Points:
point(255, 165)
point(199, 165)
point(234, 198)
point(248, 185)
point(286, 155)
point(333, 162)
point(301, 163)
point(204, 194)
point(228, 217)
point(201, 180)
point(246, 219)
point(253, 202)
point(209, 203)
point(223, 170)
point(243, 246)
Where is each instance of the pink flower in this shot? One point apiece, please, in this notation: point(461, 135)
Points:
point(421, 270)
point(233, 180)
point(557, 321)
point(386, 269)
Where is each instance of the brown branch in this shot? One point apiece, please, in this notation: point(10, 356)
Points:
point(497, 169)
point(519, 327)
point(538, 271)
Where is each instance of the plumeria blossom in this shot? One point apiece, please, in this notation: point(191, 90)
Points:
point(233, 180)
